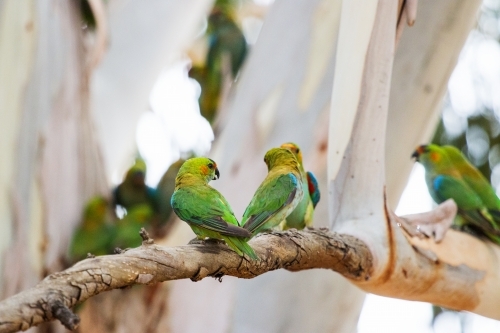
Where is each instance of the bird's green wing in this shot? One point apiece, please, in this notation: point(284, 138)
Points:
point(271, 196)
point(204, 207)
point(446, 187)
point(473, 177)
point(469, 204)
point(482, 187)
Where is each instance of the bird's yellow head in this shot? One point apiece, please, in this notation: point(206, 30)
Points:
point(137, 173)
point(279, 157)
point(199, 167)
point(294, 149)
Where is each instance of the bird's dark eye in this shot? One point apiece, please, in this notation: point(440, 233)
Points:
point(298, 150)
point(210, 165)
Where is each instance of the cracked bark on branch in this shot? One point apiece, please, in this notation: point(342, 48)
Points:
point(292, 250)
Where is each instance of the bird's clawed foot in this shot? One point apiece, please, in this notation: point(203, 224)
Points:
point(214, 241)
point(196, 240)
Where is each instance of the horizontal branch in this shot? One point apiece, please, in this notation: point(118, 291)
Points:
point(292, 250)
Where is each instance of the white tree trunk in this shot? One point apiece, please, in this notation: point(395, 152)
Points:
point(17, 45)
point(52, 160)
point(144, 39)
point(461, 272)
point(425, 58)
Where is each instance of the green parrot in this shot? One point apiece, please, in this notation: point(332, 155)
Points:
point(278, 195)
point(227, 49)
point(95, 234)
point(205, 210)
point(302, 215)
point(225, 38)
point(128, 227)
point(133, 190)
point(445, 181)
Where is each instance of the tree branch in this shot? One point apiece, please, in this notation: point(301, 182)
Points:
point(292, 250)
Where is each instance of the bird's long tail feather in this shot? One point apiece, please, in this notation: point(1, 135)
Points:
point(240, 246)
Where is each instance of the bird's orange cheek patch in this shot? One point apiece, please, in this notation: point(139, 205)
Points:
point(204, 169)
point(435, 157)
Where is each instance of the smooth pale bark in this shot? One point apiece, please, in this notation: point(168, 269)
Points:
point(425, 58)
point(461, 271)
point(144, 39)
point(17, 44)
point(282, 95)
point(51, 160)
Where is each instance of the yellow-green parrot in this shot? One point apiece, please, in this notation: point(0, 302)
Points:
point(278, 195)
point(302, 215)
point(133, 190)
point(95, 234)
point(445, 181)
point(205, 210)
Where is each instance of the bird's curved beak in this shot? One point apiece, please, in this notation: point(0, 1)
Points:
point(420, 150)
point(217, 174)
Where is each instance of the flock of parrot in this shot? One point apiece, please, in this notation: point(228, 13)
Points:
point(288, 195)
point(286, 198)
point(101, 231)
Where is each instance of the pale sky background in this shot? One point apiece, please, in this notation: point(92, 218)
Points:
point(166, 132)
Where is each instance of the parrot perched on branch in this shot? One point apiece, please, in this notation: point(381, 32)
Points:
point(205, 210)
point(445, 180)
point(302, 215)
point(95, 234)
point(278, 195)
point(133, 190)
